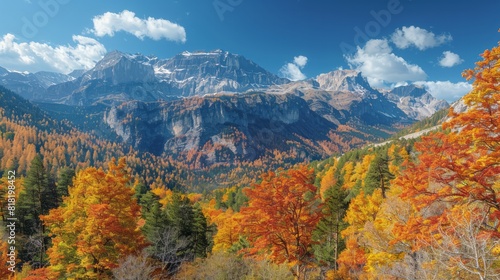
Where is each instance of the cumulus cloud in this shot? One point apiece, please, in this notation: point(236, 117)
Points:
point(156, 29)
point(445, 89)
point(418, 37)
point(35, 56)
point(380, 66)
point(300, 61)
point(292, 71)
point(450, 59)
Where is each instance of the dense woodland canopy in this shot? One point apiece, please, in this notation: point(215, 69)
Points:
point(412, 209)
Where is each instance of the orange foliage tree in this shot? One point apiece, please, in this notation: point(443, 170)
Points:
point(96, 226)
point(282, 213)
point(459, 167)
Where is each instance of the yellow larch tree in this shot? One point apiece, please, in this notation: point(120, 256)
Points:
point(96, 226)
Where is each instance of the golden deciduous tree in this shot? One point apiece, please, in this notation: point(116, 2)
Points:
point(362, 210)
point(327, 181)
point(96, 226)
point(228, 230)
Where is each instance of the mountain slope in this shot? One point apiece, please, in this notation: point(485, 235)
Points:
point(16, 108)
point(25, 131)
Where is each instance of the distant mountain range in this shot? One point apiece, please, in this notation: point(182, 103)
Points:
point(122, 77)
point(235, 110)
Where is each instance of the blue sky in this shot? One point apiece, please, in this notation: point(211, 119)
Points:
point(391, 41)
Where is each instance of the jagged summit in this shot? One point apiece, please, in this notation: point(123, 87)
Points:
point(195, 73)
point(344, 80)
point(409, 90)
point(119, 68)
point(415, 101)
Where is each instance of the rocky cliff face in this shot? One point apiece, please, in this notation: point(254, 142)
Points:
point(221, 127)
point(301, 116)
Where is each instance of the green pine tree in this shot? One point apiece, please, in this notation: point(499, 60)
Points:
point(200, 232)
point(177, 231)
point(327, 233)
point(37, 198)
point(378, 175)
point(64, 181)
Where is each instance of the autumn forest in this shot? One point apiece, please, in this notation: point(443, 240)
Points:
point(88, 208)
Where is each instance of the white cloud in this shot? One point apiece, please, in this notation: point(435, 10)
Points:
point(156, 29)
point(292, 71)
point(446, 90)
point(300, 61)
point(34, 56)
point(418, 37)
point(450, 59)
point(380, 66)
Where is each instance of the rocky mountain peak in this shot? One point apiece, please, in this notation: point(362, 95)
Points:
point(415, 101)
point(119, 68)
point(409, 90)
point(201, 72)
point(344, 80)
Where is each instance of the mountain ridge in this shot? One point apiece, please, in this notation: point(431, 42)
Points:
point(216, 107)
point(120, 77)
point(149, 78)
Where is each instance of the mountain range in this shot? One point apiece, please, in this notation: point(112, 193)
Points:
point(216, 106)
